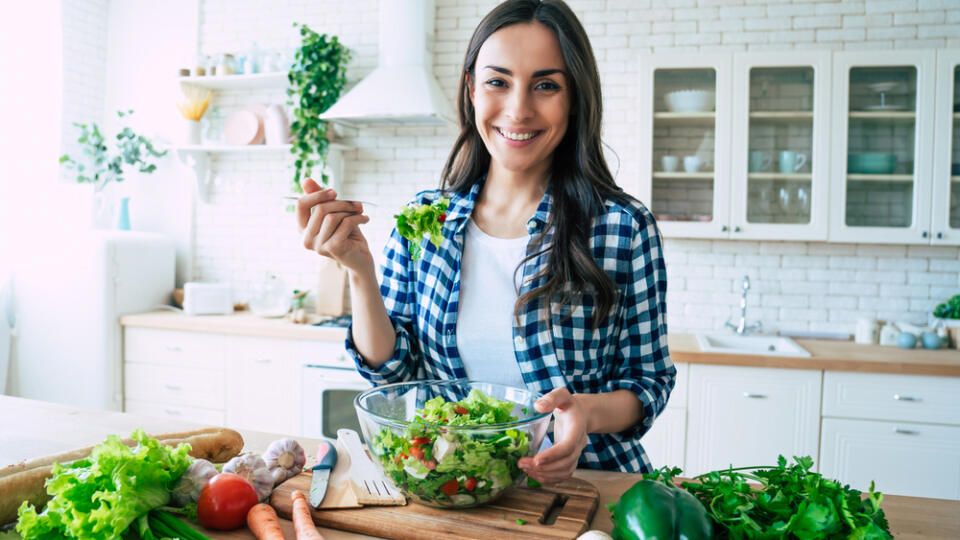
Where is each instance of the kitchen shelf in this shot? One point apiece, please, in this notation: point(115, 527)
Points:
point(781, 115)
point(683, 176)
point(880, 177)
point(883, 115)
point(686, 118)
point(792, 177)
point(237, 82)
point(257, 148)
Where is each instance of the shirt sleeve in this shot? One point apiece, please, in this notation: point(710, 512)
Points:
point(397, 290)
point(643, 359)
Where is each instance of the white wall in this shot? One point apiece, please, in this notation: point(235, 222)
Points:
point(243, 233)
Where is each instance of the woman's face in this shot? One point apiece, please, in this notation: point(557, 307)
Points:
point(521, 96)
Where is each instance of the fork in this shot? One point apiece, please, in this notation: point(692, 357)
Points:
point(373, 487)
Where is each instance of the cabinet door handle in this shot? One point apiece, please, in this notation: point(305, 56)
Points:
point(172, 412)
point(173, 348)
point(900, 397)
point(172, 387)
point(751, 395)
point(264, 361)
point(902, 431)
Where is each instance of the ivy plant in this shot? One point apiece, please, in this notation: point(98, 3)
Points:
point(316, 78)
point(99, 165)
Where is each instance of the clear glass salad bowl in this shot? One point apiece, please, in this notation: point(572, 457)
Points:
point(451, 444)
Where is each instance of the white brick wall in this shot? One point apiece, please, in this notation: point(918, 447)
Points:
point(245, 234)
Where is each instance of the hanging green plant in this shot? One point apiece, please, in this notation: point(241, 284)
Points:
point(316, 79)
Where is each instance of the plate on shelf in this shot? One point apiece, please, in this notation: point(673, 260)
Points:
point(885, 108)
point(243, 127)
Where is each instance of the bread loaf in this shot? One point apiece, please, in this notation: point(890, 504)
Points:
point(25, 481)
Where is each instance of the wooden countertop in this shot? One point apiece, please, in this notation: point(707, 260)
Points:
point(31, 429)
point(826, 354)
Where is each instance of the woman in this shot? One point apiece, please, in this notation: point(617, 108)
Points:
point(549, 275)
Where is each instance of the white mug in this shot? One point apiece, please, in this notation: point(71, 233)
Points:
point(868, 331)
point(670, 163)
point(691, 164)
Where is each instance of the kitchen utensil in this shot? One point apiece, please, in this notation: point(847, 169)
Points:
point(242, 128)
point(573, 501)
point(691, 164)
point(326, 460)
point(365, 203)
point(389, 410)
point(371, 487)
point(690, 100)
point(871, 163)
point(670, 163)
point(791, 162)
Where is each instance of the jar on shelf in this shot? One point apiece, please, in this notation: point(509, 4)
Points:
point(200, 66)
point(226, 65)
point(213, 126)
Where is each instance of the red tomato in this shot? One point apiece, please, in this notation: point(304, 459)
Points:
point(416, 452)
point(419, 441)
point(460, 410)
point(450, 487)
point(430, 464)
point(225, 501)
point(470, 483)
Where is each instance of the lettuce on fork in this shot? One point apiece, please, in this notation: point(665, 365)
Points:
point(101, 496)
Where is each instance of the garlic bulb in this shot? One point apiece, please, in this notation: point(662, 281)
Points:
point(285, 459)
point(254, 470)
point(192, 481)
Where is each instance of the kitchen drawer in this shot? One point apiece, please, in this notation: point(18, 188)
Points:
point(176, 412)
point(912, 398)
point(173, 348)
point(919, 460)
point(180, 386)
point(326, 353)
point(263, 384)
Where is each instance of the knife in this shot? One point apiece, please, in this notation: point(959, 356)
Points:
point(326, 459)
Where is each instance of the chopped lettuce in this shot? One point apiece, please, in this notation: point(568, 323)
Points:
point(101, 496)
point(416, 220)
point(447, 468)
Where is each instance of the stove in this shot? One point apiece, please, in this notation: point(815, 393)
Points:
point(342, 321)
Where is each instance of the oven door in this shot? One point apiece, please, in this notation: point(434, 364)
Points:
point(328, 395)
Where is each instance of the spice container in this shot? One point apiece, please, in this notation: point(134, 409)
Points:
point(200, 66)
point(226, 66)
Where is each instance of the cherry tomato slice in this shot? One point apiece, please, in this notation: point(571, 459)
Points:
point(416, 452)
point(460, 410)
point(450, 487)
point(419, 441)
point(470, 483)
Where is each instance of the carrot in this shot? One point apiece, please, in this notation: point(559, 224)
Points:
point(302, 520)
point(263, 522)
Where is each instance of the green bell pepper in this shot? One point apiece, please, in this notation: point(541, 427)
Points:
point(654, 510)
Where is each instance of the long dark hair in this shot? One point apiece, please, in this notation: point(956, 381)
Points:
point(580, 179)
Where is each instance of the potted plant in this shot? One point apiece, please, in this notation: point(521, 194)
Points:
point(100, 165)
point(316, 78)
point(948, 314)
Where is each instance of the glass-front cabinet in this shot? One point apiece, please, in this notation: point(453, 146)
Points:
point(882, 144)
point(684, 122)
point(779, 157)
point(945, 224)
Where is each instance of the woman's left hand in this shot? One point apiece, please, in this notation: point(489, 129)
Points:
point(569, 434)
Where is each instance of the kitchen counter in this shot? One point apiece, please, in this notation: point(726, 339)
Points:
point(826, 354)
point(31, 429)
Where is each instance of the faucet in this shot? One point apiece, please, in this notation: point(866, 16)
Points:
point(742, 329)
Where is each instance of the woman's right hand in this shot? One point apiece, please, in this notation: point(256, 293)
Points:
point(332, 228)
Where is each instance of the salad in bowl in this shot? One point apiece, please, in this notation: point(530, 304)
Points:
point(452, 444)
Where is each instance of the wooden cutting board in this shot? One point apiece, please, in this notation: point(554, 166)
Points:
point(558, 511)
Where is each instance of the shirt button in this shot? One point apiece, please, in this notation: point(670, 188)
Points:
point(518, 342)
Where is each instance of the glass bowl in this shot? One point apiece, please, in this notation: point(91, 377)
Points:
point(441, 456)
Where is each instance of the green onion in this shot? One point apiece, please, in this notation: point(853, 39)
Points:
point(521, 521)
point(178, 528)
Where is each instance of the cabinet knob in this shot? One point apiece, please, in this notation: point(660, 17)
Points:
point(264, 361)
point(724, 228)
point(925, 234)
point(172, 387)
point(939, 236)
point(736, 229)
point(900, 397)
point(902, 431)
point(173, 348)
point(172, 412)
point(751, 395)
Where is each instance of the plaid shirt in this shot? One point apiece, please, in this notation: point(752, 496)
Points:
point(629, 352)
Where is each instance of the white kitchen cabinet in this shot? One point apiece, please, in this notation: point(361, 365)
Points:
point(903, 431)
point(919, 460)
point(263, 384)
point(945, 225)
point(780, 146)
point(744, 416)
point(665, 442)
point(684, 123)
point(882, 161)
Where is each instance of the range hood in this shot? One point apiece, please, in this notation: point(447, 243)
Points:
point(402, 88)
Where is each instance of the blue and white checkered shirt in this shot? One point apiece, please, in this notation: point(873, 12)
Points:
point(628, 352)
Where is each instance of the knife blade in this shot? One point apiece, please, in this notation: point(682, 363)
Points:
point(326, 459)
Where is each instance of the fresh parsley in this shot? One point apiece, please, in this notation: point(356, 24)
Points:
point(418, 220)
point(789, 502)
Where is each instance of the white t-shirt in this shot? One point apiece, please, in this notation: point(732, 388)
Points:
point(488, 292)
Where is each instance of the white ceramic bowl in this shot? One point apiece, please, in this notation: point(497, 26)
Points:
point(690, 100)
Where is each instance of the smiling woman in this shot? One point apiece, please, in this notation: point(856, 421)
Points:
point(544, 273)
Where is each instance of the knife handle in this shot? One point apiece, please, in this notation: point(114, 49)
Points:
point(326, 456)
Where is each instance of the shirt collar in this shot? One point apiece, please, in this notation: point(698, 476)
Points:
point(461, 206)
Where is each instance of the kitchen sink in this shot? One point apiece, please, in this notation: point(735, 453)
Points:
point(757, 344)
